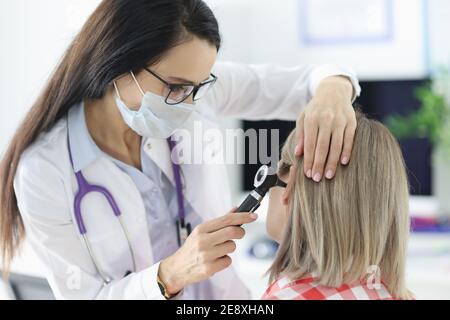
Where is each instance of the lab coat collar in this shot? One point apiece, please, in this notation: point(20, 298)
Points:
point(83, 149)
point(158, 150)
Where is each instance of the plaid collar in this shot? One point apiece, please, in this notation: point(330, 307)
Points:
point(308, 288)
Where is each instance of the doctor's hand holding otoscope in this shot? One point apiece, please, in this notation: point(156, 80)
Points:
point(205, 252)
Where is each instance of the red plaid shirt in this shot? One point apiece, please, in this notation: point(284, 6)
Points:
point(307, 288)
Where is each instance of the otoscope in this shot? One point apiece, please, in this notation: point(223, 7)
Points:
point(265, 179)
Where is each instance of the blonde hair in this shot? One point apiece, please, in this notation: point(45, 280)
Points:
point(338, 229)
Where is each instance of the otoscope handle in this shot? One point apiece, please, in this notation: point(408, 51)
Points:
point(251, 203)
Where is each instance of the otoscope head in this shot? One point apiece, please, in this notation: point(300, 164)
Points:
point(266, 178)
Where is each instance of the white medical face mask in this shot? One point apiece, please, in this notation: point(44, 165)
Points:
point(155, 118)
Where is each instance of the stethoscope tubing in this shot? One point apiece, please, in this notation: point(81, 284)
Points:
point(84, 188)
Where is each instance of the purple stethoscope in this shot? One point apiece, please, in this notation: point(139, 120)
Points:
point(84, 187)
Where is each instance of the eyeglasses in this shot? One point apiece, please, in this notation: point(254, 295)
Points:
point(178, 92)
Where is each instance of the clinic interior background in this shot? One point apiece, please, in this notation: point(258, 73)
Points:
point(394, 46)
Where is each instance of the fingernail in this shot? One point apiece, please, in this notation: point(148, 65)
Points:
point(297, 150)
point(317, 177)
point(329, 174)
point(344, 160)
point(254, 216)
point(309, 173)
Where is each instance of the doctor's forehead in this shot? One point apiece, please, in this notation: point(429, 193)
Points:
point(190, 61)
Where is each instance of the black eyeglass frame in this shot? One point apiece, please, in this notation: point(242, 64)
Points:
point(173, 86)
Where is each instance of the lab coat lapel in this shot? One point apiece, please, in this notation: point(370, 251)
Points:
point(158, 150)
point(193, 175)
point(196, 178)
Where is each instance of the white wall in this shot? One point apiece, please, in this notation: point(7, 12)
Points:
point(439, 33)
point(271, 31)
point(33, 36)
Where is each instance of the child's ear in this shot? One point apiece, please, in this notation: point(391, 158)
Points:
point(290, 186)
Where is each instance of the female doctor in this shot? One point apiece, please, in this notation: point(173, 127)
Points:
point(88, 176)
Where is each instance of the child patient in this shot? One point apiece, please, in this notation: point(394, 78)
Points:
point(345, 238)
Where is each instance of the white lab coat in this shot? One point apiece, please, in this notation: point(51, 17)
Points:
point(45, 187)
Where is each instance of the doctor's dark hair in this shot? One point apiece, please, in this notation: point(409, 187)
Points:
point(121, 35)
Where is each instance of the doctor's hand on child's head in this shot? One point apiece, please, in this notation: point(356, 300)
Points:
point(325, 130)
point(205, 251)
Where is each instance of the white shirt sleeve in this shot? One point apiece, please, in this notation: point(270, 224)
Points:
point(324, 71)
point(50, 232)
point(266, 92)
